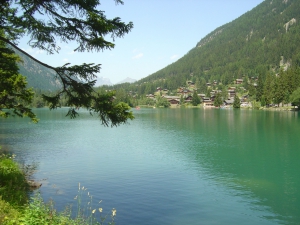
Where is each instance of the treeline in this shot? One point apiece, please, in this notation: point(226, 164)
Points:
point(249, 46)
point(262, 44)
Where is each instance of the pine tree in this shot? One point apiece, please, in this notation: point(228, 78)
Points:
point(218, 100)
point(236, 102)
point(45, 22)
point(196, 100)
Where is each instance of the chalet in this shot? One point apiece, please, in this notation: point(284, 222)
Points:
point(174, 100)
point(212, 98)
point(208, 84)
point(244, 98)
point(188, 99)
point(150, 96)
point(246, 104)
point(201, 96)
point(207, 102)
point(231, 92)
point(171, 97)
point(184, 92)
point(229, 101)
point(238, 81)
point(159, 89)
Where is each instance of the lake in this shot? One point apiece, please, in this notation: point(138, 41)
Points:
point(168, 166)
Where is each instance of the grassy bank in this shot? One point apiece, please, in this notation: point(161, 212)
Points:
point(18, 208)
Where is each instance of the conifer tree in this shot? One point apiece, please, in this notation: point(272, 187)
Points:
point(79, 21)
point(218, 100)
point(236, 102)
point(268, 86)
point(196, 100)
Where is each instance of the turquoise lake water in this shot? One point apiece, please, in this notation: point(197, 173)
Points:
point(168, 166)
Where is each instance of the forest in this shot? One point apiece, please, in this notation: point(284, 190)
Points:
point(260, 45)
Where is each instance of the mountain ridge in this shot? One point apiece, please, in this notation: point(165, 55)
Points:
point(249, 45)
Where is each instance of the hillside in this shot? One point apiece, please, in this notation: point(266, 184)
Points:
point(38, 76)
point(261, 40)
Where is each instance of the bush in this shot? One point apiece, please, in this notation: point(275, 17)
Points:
point(8, 214)
point(14, 188)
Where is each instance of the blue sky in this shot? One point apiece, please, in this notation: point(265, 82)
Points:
point(164, 31)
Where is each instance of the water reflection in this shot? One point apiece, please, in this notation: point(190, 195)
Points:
point(251, 151)
point(171, 166)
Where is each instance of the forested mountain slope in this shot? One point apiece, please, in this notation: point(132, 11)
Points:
point(38, 76)
point(263, 39)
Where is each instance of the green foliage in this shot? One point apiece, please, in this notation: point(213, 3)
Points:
point(196, 100)
point(8, 214)
point(162, 102)
point(14, 95)
point(15, 209)
point(236, 102)
point(218, 100)
point(295, 98)
point(38, 212)
point(13, 184)
point(146, 101)
point(60, 22)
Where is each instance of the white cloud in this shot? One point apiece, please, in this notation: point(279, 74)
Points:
point(138, 56)
point(173, 57)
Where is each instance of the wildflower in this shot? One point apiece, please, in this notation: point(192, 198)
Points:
point(93, 211)
point(76, 197)
point(113, 212)
point(100, 210)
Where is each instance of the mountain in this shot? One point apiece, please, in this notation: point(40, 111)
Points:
point(38, 76)
point(103, 81)
point(264, 39)
point(127, 80)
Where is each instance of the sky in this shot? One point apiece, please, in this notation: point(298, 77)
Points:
point(164, 31)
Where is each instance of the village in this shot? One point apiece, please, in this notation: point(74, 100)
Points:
point(185, 95)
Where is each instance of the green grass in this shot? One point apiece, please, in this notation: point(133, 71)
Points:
point(13, 185)
point(17, 208)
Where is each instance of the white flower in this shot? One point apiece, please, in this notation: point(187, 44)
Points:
point(114, 212)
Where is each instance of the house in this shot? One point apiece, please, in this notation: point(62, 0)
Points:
point(201, 96)
point(238, 81)
point(212, 98)
point(150, 96)
point(231, 92)
point(188, 99)
point(174, 100)
point(207, 102)
point(229, 101)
